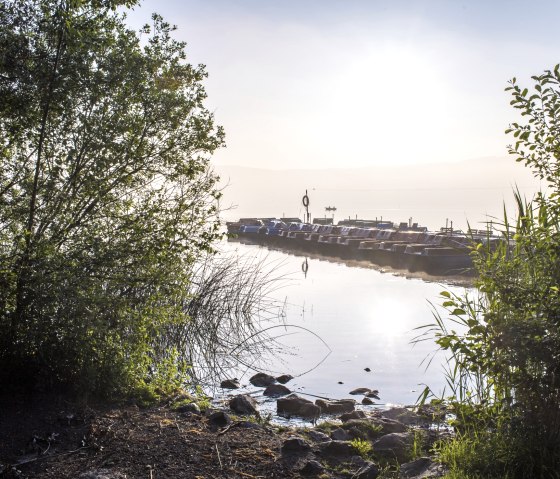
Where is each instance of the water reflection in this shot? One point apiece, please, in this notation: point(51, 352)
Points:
point(305, 268)
point(367, 319)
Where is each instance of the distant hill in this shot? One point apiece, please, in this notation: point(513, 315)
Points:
point(470, 190)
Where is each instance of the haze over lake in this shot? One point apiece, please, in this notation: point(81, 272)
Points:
point(473, 191)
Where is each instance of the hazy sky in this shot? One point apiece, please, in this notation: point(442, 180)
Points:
point(350, 83)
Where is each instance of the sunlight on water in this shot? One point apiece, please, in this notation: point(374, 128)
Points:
point(367, 319)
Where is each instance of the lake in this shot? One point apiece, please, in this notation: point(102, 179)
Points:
point(337, 320)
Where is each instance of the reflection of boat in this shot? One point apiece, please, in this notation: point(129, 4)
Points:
point(403, 246)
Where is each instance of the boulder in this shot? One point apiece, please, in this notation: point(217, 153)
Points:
point(361, 428)
point(276, 390)
point(370, 471)
point(389, 426)
point(415, 468)
point(295, 445)
point(357, 414)
point(318, 436)
point(219, 419)
point(336, 406)
point(403, 415)
point(243, 404)
point(262, 380)
point(373, 394)
point(337, 449)
point(191, 407)
point(367, 370)
point(360, 391)
point(293, 405)
point(396, 445)
point(285, 378)
point(340, 434)
point(312, 468)
point(367, 401)
point(230, 384)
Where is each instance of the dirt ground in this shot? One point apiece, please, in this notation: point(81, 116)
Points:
point(49, 437)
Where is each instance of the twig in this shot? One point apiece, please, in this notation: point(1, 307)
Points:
point(219, 459)
point(52, 455)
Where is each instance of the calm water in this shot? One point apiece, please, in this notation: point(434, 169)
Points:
point(354, 318)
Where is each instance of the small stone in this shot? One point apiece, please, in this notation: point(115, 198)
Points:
point(370, 471)
point(373, 394)
point(285, 378)
point(367, 401)
point(367, 370)
point(312, 468)
point(219, 419)
point(243, 404)
point(340, 382)
point(340, 435)
point(353, 415)
point(295, 445)
point(276, 390)
point(262, 380)
point(230, 384)
point(336, 406)
point(358, 391)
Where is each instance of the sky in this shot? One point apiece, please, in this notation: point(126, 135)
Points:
point(362, 83)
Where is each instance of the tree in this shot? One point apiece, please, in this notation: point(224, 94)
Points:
point(106, 193)
point(506, 357)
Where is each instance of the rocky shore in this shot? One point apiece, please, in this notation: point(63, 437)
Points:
point(186, 438)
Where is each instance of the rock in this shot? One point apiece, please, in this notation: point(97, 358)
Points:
point(353, 415)
point(318, 436)
point(294, 405)
point(243, 404)
point(262, 380)
point(276, 390)
point(415, 468)
point(219, 419)
point(389, 426)
point(295, 445)
point(367, 370)
point(336, 406)
point(248, 425)
point(370, 471)
point(191, 407)
point(340, 435)
point(403, 415)
point(396, 445)
point(361, 428)
point(367, 401)
point(358, 391)
point(373, 394)
point(284, 378)
point(337, 448)
point(230, 384)
point(312, 468)
point(340, 382)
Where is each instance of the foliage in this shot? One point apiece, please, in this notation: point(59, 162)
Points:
point(362, 447)
point(504, 370)
point(106, 196)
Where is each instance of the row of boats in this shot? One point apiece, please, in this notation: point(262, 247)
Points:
point(405, 246)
